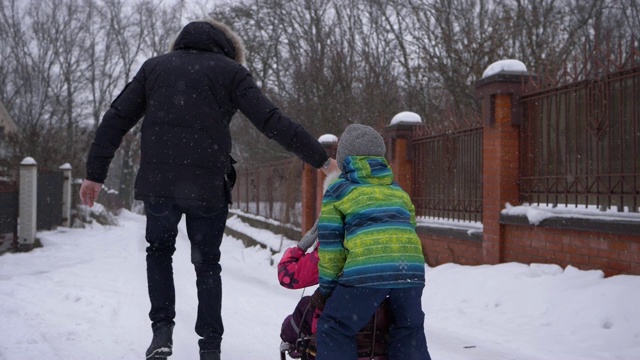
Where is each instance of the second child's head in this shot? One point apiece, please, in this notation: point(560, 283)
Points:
point(359, 140)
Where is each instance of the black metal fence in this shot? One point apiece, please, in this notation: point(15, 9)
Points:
point(271, 190)
point(49, 213)
point(8, 208)
point(581, 141)
point(447, 165)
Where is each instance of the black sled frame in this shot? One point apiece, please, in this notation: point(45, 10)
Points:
point(305, 346)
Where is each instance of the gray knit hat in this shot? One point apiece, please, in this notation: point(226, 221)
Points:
point(359, 140)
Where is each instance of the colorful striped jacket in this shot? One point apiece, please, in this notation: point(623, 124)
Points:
point(366, 230)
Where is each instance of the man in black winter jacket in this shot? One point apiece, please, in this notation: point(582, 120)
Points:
point(188, 97)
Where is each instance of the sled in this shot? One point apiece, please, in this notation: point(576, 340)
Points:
point(373, 339)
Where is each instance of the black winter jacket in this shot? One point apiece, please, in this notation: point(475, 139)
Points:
point(188, 97)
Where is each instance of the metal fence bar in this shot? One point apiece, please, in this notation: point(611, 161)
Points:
point(448, 175)
point(49, 212)
point(580, 143)
point(271, 190)
point(9, 208)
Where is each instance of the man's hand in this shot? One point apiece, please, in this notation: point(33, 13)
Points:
point(333, 166)
point(89, 192)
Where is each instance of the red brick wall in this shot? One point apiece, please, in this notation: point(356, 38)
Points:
point(440, 250)
point(614, 254)
point(585, 250)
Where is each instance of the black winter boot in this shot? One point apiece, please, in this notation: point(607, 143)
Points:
point(209, 355)
point(162, 342)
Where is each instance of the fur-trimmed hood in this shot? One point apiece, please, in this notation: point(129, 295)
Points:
point(210, 35)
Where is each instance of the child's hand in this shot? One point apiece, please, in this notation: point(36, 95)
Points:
point(318, 299)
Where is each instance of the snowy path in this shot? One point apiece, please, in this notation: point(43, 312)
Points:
point(83, 296)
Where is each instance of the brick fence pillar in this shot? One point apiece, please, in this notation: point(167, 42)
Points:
point(501, 115)
point(28, 204)
point(308, 190)
point(312, 180)
point(398, 139)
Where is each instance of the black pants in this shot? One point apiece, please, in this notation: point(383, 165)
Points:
point(205, 228)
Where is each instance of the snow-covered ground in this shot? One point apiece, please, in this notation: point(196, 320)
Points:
point(83, 296)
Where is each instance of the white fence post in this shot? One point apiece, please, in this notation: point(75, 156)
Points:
point(28, 206)
point(66, 194)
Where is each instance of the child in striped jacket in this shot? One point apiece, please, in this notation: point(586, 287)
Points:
point(368, 250)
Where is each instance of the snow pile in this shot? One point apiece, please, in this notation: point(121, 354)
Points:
point(507, 65)
point(537, 213)
point(535, 312)
point(328, 139)
point(406, 117)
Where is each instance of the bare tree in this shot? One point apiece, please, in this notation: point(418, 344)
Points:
point(64, 25)
point(45, 88)
point(327, 63)
point(102, 68)
point(455, 41)
point(67, 61)
point(127, 24)
point(630, 10)
point(161, 22)
point(261, 31)
point(546, 33)
point(29, 72)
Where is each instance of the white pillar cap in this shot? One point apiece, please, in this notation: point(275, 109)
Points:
point(28, 161)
